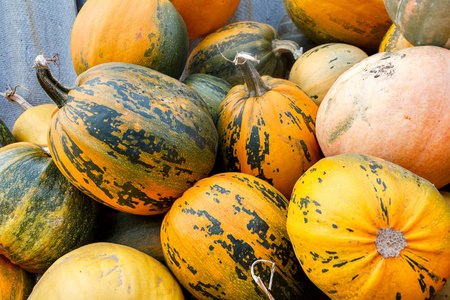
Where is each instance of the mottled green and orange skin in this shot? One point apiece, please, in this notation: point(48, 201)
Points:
point(271, 136)
point(214, 53)
point(213, 233)
point(361, 23)
point(6, 136)
point(133, 138)
point(336, 211)
point(393, 40)
point(149, 33)
point(42, 216)
point(15, 282)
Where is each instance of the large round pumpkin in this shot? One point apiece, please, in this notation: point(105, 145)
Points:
point(422, 22)
point(107, 271)
point(204, 16)
point(15, 282)
point(150, 33)
point(42, 216)
point(361, 23)
point(267, 129)
point(393, 105)
point(130, 137)
point(219, 228)
point(365, 228)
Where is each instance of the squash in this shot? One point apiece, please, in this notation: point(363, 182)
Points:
point(139, 232)
point(393, 40)
point(147, 33)
point(107, 271)
point(365, 228)
point(219, 228)
point(203, 17)
point(129, 137)
point(214, 53)
point(42, 216)
point(15, 282)
point(393, 105)
point(266, 129)
point(210, 88)
point(421, 22)
point(317, 69)
point(6, 136)
point(361, 23)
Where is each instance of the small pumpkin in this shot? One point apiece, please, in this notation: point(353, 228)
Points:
point(267, 129)
point(365, 228)
point(107, 271)
point(361, 23)
point(421, 22)
point(210, 88)
point(393, 40)
point(42, 216)
point(372, 109)
point(15, 282)
point(317, 69)
point(203, 17)
point(148, 33)
point(212, 55)
point(128, 136)
point(219, 228)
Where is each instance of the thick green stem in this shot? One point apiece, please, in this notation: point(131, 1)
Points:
point(255, 85)
point(283, 46)
point(57, 91)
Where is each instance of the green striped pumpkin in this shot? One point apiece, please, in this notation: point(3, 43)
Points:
point(130, 137)
point(42, 216)
point(212, 54)
point(6, 136)
point(223, 224)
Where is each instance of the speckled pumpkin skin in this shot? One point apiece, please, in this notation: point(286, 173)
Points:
point(15, 282)
point(336, 211)
point(149, 33)
point(6, 136)
point(133, 138)
point(393, 40)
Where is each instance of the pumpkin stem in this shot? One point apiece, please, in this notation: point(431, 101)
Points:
point(57, 91)
point(283, 46)
point(390, 242)
point(255, 85)
point(12, 97)
point(258, 280)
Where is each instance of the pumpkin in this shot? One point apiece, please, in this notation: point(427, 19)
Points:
point(366, 228)
point(318, 68)
point(393, 40)
point(42, 216)
point(393, 105)
point(107, 271)
point(361, 23)
point(210, 88)
point(6, 136)
point(128, 136)
point(214, 53)
point(202, 17)
point(421, 22)
point(214, 233)
point(15, 282)
point(266, 129)
point(139, 232)
point(148, 33)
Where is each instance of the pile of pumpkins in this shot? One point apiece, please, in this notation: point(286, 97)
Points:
point(307, 162)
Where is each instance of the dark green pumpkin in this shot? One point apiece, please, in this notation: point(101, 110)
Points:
point(6, 136)
point(139, 232)
point(210, 88)
point(42, 216)
point(130, 137)
point(212, 55)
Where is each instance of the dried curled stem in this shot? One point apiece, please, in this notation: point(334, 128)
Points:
point(11, 96)
point(258, 280)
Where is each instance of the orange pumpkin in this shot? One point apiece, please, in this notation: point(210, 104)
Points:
point(393, 105)
point(204, 16)
point(15, 282)
point(393, 40)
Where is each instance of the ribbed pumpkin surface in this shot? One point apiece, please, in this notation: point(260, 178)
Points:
point(337, 210)
point(42, 216)
point(15, 282)
point(133, 138)
point(219, 227)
